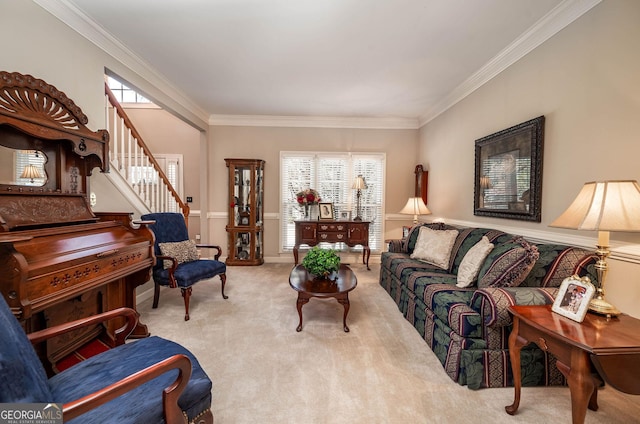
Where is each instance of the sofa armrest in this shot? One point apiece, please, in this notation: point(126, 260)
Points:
point(492, 303)
point(398, 246)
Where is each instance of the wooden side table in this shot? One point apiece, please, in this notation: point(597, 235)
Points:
point(614, 340)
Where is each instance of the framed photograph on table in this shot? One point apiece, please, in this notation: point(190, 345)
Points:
point(573, 297)
point(344, 216)
point(326, 210)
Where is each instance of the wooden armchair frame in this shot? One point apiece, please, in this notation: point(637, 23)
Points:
point(172, 279)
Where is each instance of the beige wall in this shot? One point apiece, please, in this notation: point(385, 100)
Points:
point(266, 143)
point(586, 81)
point(52, 51)
point(7, 165)
point(164, 133)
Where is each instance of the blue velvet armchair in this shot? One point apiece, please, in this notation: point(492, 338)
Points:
point(180, 269)
point(151, 380)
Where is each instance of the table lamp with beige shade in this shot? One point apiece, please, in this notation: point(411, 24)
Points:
point(415, 206)
point(31, 172)
point(359, 184)
point(485, 184)
point(603, 206)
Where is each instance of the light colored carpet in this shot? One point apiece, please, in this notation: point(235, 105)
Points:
point(380, 372)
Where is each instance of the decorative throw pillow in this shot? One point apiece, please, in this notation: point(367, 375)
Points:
point(411, 240)
point(508, 264)
point(434, 246)
point(183, 251)
point(472, 261)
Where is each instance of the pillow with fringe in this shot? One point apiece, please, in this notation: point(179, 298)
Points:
point(508, 264)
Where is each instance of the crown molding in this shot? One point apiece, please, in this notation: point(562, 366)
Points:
point(314, 122)
point(549, 25)
point(554, 21)
point(77, 20)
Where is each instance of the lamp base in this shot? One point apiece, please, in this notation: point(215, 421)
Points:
point(357, 218)
point(600, 306)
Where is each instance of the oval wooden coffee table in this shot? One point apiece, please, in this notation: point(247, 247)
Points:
point(301, 281)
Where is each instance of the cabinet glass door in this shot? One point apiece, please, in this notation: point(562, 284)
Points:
point(246, 211)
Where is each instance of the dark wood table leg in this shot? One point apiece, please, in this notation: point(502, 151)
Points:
point(344, 301)
point(515, 346)
point(295, 254)
point(581, 384)
point(366, 251)
point(302, 299)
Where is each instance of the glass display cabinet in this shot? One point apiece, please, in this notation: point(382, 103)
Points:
point(246, 211)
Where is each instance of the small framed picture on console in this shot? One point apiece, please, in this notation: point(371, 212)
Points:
point(326, 210)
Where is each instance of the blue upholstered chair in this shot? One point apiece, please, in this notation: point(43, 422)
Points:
point(124, 385)
point(180, 268)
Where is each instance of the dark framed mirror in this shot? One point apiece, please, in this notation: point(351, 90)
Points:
point(508, 172)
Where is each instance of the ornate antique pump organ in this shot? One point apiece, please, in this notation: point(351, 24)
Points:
point(58, 259)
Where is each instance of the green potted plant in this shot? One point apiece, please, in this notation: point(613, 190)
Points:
point(321, 262)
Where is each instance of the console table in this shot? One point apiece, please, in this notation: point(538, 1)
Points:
point(612, 345)
point(352, 233)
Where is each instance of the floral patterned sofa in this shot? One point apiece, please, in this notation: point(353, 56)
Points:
point(468, 328)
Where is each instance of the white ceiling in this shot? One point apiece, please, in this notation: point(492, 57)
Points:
point(391, 59)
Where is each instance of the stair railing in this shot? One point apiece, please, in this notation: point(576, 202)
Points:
point(131, 157)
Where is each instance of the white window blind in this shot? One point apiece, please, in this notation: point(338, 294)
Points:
point(332, 174)
point(509, 177)
point(29, 157)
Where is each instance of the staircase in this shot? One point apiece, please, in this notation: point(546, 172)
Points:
point(134, 171)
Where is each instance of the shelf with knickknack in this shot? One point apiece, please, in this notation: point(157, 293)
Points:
point(246, 211)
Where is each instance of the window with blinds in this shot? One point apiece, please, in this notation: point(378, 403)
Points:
point(30, 177)
point(332, 175)
point(508, 176)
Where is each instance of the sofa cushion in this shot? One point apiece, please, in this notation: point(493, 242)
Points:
point(182, 251)
point(472, 261)
point(188, 273)
point(468, 238)
point(508, 264)
point(140, 404)
point(570, 261)
point(418, 282)
point(434, 246)
point(557, 262)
